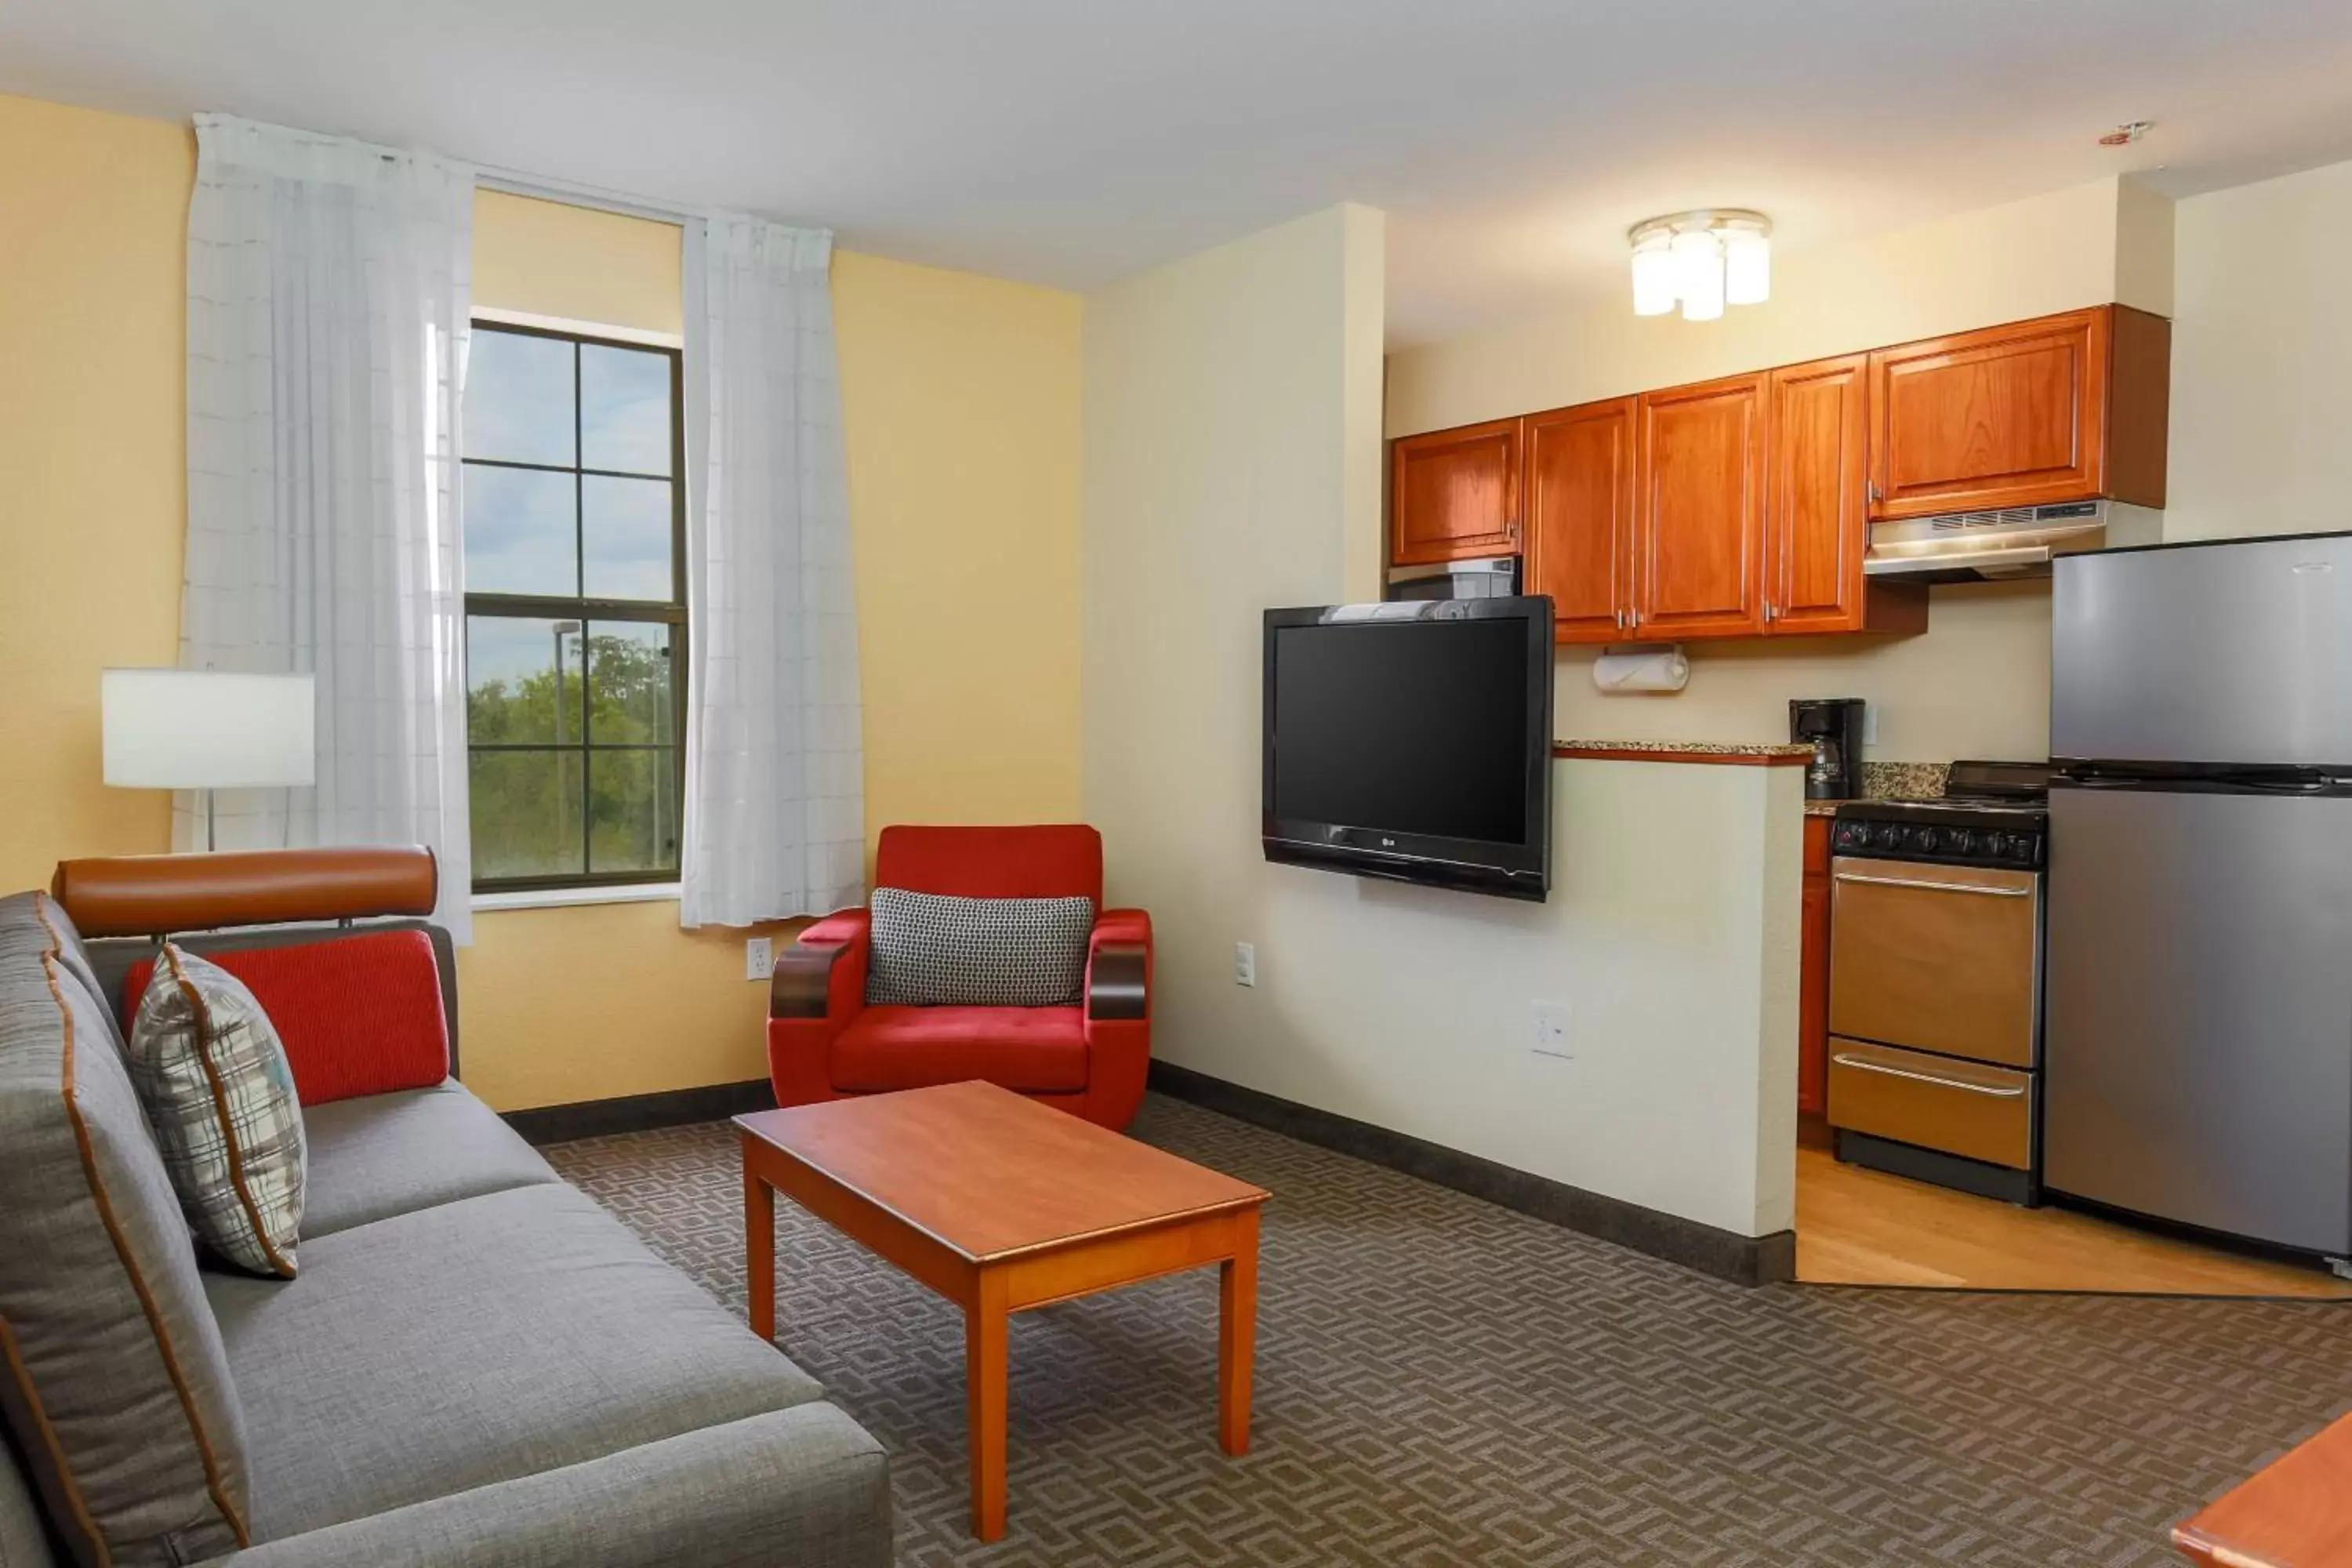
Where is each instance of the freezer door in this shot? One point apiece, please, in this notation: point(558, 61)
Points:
point(2223, 653)
point(2196, 1053)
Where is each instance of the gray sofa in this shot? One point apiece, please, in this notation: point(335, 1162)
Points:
point(476, 1364)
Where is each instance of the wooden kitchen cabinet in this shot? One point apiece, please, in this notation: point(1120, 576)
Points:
point(1813, 975)
point(1816, 509)
point(1454, 495)
point(2060, 408)
point(1699, 510)
point(1580, 478)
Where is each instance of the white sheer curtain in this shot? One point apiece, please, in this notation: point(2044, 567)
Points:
point(328, 288)
point(775, 768)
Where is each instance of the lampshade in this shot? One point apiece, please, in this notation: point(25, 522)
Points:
point(188, 729)
point(1653, 275)
point(1747, 267)
point(1698, 274)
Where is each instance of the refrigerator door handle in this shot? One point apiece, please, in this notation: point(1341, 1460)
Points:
point(1935, 887)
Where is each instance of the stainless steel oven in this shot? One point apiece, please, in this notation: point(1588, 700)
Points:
point(1935, 929)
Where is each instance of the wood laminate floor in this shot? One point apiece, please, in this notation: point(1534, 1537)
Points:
point(1863, 1227)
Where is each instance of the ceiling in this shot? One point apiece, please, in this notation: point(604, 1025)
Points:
point(1074, 142)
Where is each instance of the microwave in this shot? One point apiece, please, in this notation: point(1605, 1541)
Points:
point(1492, 578)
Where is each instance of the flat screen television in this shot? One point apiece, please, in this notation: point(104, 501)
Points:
point(1412, 741)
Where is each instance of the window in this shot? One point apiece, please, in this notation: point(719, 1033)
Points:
point(575, 608)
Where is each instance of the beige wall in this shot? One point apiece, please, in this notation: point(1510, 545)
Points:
point(1977, 683)
point(2261, 401)
point(93, 476)
point(1232, 463)
point(962, 399)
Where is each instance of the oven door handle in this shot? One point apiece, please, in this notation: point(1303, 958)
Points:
point(1989, 890)
point(1867, 1065)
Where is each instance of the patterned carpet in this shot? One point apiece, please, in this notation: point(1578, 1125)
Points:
point(1442, 1382)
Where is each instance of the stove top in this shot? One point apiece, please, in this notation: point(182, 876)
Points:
point(1997, 813)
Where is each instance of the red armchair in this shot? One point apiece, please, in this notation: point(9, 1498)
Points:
point(824, 1042)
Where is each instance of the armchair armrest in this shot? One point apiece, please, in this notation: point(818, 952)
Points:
point(802, 1486)
point(822, 974)
point(1118, 966)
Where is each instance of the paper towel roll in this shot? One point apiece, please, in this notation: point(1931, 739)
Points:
point(1644, 670)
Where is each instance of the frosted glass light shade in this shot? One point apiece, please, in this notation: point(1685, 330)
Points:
point(189, 729)
point(1747, 267)
point(1654, 276)
point(1698, 274)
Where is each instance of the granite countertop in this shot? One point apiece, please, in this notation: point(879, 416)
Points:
point(1683, 751)
point(1822, 807)
point(1891, 780)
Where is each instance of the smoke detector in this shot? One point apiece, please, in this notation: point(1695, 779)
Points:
point(2130, 131)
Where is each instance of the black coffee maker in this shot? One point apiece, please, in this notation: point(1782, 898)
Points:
point(1832, 726)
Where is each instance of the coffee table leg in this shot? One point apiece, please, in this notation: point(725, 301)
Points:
point(984, 1357)
point(1236, 1335)
point(760, 1242)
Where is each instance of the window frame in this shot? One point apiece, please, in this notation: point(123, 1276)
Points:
point(588, 611)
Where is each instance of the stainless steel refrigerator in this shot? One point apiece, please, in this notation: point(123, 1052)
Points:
point(2198, 1043)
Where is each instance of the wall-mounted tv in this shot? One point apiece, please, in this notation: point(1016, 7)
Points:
point(1412, 740)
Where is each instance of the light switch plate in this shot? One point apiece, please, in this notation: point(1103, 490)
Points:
point(759, 958)
point(1244, 964)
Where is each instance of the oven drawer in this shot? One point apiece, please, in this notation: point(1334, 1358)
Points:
point(1960, 1107)
point(1937, 958)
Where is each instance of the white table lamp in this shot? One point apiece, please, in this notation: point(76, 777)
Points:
point(207, 729)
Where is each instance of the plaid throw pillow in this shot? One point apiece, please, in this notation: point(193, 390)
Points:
point(214, 1082)
point(933, 950)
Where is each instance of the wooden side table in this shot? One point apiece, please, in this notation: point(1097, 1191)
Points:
point(999, 1205)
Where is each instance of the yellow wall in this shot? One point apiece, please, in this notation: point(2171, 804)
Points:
point(554, 260)
point(961, 396)
point(962, 407)
point(93, 285)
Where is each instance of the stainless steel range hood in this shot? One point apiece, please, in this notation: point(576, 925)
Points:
point(2014, 542)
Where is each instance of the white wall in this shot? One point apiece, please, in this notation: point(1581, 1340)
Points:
point(2261, 359)
point(1232, 464)
point(1977, 683)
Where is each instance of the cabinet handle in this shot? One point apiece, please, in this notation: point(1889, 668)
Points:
point(1841, 1059)
point(1873, 493)
point(1769, 611)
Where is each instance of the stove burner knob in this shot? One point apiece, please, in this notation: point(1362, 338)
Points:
point(1962, 841)
point(1926, 842)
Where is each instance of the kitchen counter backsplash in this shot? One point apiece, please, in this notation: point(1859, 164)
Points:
point(1899, 781)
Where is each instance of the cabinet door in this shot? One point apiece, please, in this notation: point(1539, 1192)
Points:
point(1455, 494)
point(1699, 518)
point(2013, 416)
point(1815, 526)
point(1580, 529)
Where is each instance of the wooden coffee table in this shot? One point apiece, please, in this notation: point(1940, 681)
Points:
point(1000, 1204)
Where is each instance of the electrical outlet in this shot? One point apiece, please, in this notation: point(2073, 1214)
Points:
point(1244, 964)
point(759, 958)
point(1870, 723)
point(1548, 1024)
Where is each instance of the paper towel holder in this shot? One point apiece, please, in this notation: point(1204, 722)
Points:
point(1646, 669)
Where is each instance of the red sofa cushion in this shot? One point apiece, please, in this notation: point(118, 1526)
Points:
point(1038, 1050)
point(1055, 861)
point(358, 1014)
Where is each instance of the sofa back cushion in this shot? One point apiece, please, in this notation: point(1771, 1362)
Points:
point(113, 1380)
point(926, 951)
point(359, 1013)
point(1054, 862)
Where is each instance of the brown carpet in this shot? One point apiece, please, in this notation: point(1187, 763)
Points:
point(1442, 1382)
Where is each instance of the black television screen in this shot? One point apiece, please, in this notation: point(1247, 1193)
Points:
point(1412, 740)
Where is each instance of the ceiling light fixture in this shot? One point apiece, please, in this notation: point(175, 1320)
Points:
point(1702, 260)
